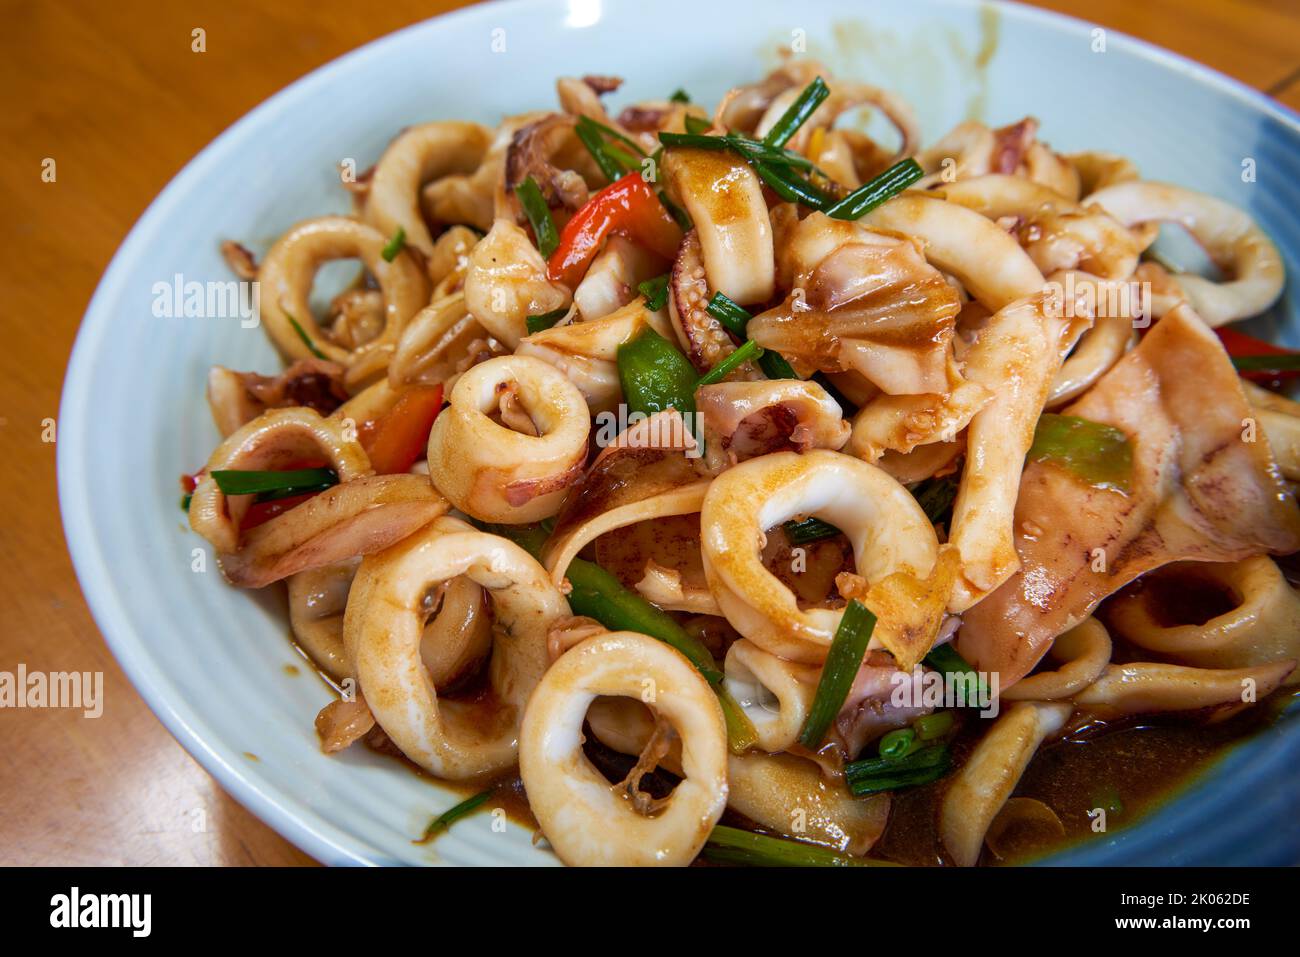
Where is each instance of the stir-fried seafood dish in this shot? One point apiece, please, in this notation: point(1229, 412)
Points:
point(733, 487)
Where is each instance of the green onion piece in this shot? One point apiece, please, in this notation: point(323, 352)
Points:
point(946, 659)
point(731, 845)
point(774, 365)
point(680, 96)
point(655, 375)
point(732, 316)
point(793, 118)
point(394, 245)
point(930, 727)
point(750, 350)
point(773, 166)
point(936, 497)
point(302, 334)
point(450, 816)
point(809, 530)
point(679, 215)
point(841, 667)
point(873, 775)
point(545, 320)
point(1280, 362)
point(695, 124)
point(249, 482)
point(278, 493)
point(791, 187)
point(539, 215)
point(185, 501)
point(612, 133)
point(741, 733)
point(595, 145)
point(655, 291)
point(883, 187)
point(898, 743)
point(1099, 454)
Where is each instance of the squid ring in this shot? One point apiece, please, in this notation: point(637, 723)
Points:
point(888, 530)
point(586, 819)
point(419, 154)
point(1229, 236)
point(775, 694)
point(1085, 649)
point(384, 626)
point(1263, 627)
point(286, 279)
point(437, 338)
point(495, 473)
point(273, 440)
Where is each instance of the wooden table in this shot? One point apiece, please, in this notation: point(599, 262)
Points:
point(113, 92)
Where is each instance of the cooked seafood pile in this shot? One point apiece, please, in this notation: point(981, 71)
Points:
point(779, 470)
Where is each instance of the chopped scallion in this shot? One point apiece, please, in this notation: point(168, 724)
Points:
point(744, 353)
point(793, 118)
point(293, 482)
point(655, 291)
point(930, 727)
point(394, 245)
point(898, 743)
point(874, 775)
point(809, 530)
point(841, 667)
point(545, 320)
point(539, 216)
point(302, 334)
point(450, 816)
point(883, 187)
point(731, 845)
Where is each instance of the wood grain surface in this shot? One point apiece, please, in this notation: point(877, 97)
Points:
point(114, 93)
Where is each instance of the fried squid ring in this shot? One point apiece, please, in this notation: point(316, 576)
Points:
point(1145, 687)
point(1057, 232)
point(286, 280)
point(419, 154)
point(1098, 169)
point(458, 635)
point(989, 263)
point(969, 147)
point(783, 793)
point(506, 282)
point(434, 344)
point(586, 819)
point(383, 630)
point(886, 526)
point(775, 694)
point(724, 198)
point(701, 336)
point(1264, 626)
point(1279, 417)
point(274, 440)
point(587, 352)
point(747, 418)
point(493, 472)
point(1229, 236)
point(991, 773)
point(564, 548)
point(1084, 652)
point(1101, 346)
point(353, 518)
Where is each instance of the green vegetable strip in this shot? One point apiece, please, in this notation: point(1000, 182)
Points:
point(695, 124)
point(655, 375)
point(774, 365)
point(790, 187)
point(731, 845)
point(946, 659)
point(883, 187)
point(727, 312)
point(741, 733)
point(545, 320)
point(302, 334)
point(750, 350)
point(185, 501)
point(897, 743)
point(1099, 454)
point(793, 118)
point(774, 166)
point(1280, 362)
point(394, 245)
point(680, 96)
point(842, 663)
point(809, 530)
point(874, 775)
point(595, 144)
point(248, 482)
point(539, 216)
point(655, 292)
point(450, 816)
point(932, 726)
point(936, 497)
